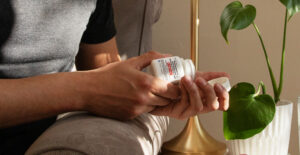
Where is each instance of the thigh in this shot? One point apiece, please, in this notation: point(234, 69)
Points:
point(89, 134)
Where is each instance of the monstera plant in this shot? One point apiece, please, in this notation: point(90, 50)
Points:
point(251, 111)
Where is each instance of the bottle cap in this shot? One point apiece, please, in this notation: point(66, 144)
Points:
point(224, 81)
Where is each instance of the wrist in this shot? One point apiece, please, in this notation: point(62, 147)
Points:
point(78, 85)
point(84, 89)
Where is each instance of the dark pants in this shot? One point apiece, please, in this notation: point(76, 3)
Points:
point(16, 140)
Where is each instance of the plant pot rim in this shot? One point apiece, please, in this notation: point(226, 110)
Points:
point(284, 103)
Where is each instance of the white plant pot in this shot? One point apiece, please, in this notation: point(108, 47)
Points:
point(273, 140)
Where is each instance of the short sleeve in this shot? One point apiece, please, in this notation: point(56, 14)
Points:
point(101, 26)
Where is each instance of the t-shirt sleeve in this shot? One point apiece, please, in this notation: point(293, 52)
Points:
point(101, 26)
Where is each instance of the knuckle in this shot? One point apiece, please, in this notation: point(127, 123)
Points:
point(141, 99)
point(144, 82)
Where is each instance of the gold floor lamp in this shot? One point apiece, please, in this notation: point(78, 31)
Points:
point(194, 140)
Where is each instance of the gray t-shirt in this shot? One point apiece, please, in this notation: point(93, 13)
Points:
point(42, 37)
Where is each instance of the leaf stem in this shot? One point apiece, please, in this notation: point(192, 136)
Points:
point(262, 85)
point(267, 60)
point(277, 98)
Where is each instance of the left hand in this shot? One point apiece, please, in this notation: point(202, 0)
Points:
point(197, 97)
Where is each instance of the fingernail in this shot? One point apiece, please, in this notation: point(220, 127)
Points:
point(215, 106)
point(226, 108)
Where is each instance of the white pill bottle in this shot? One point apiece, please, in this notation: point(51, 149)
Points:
point(172, 69)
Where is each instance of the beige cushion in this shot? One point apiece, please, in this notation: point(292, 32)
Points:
point(87, 134)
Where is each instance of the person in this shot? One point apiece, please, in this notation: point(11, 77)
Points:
point(41, 40)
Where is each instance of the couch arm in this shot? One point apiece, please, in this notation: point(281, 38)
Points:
point(134, 20)
point(87, 134)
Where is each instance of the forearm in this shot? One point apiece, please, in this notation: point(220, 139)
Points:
point(30, 99)
point(92, 56)
point(35, 98)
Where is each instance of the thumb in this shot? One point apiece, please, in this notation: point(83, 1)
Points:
point(145, 59)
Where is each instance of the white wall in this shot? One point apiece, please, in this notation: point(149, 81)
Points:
point(242, 59)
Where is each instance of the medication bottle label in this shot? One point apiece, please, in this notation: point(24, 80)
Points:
point(170, 68)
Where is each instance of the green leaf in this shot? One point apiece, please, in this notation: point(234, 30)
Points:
point(249, 113)
point(237, 17)
point(293, 6)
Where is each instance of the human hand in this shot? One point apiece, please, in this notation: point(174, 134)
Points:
point(197, 97)
point(120, 90)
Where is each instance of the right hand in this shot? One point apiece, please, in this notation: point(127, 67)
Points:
point(197, 97)
point(121, 90)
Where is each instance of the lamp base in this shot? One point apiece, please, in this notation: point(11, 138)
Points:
point(193, 140)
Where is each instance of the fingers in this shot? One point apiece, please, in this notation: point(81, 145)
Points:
point(157, 86)
point(176, 109)
point(193, 93)
point(163, 111)
point(198, 97)
point(145, 59)
point(211, 99)
point(154, 100)
point(164, 89)
point(195, 103)
point(182, 105)
point(223, 97)
point(147, 83)
point(211, 75)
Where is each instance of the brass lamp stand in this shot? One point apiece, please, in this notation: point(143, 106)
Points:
point(194, 140)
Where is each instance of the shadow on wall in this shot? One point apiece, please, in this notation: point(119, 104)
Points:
point(7, 19)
